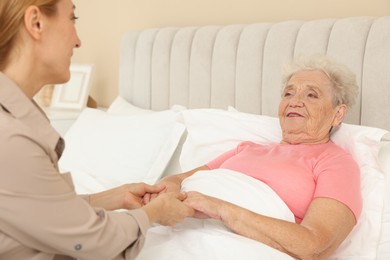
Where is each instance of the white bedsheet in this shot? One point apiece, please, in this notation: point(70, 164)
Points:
point(210, 239)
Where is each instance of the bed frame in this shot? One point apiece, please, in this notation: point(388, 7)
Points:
point(240, 65)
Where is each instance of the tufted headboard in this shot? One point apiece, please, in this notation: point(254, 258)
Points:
point(241, 64)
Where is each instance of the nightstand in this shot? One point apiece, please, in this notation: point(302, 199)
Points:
point(62, 119)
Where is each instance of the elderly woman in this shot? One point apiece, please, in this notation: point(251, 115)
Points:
point(318, 181)
point(41, 215)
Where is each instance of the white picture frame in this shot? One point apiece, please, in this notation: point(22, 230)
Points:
point(74, 93)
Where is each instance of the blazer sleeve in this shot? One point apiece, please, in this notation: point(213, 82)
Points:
point(42, 211)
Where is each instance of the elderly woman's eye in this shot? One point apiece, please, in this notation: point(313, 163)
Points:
point(312, 95)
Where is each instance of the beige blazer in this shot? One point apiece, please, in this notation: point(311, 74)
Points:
point(41, 217)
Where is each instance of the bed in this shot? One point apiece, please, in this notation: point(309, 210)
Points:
point(188, 94)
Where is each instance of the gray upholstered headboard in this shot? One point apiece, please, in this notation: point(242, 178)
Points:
point(241, 65)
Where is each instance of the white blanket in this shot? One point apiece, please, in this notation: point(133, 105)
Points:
point(210, 239)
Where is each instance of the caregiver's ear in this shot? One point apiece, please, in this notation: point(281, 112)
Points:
point(33, 21)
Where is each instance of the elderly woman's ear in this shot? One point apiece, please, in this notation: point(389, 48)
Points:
point(341, 110)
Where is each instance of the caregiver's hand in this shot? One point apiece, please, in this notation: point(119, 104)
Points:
point(168, 209)
point(127, 196)
point(173, 182)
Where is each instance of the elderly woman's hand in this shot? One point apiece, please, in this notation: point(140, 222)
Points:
point(127, 196)
point(205, 206)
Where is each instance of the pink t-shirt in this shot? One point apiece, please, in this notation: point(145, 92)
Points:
point(299, 173)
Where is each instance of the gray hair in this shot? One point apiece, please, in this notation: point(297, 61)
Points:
point(344, 85)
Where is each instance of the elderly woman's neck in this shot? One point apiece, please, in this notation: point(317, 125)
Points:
point(304, 139)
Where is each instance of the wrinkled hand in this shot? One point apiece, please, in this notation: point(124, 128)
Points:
point(171, 184)
point(127, 196)
point(168, 208)
point(205, 206)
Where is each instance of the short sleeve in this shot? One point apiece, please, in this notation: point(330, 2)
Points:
point(338, 177)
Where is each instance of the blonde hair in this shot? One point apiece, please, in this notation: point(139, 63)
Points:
point(11, 19)
point(344, 85)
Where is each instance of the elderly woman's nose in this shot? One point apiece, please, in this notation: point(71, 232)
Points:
point(296, 100)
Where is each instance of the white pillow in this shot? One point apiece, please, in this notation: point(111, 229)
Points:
point(384, 158)
point(211, 132)
point(121, 106)
point(114, 149)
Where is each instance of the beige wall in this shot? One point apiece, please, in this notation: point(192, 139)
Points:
point(102, 22)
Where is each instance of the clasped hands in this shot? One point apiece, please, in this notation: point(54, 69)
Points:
point(163, 202)
point(204, 206)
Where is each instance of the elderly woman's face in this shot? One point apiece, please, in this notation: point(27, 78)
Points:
point(306, 111)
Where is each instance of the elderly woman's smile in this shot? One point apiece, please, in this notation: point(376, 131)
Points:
point(294, 114)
